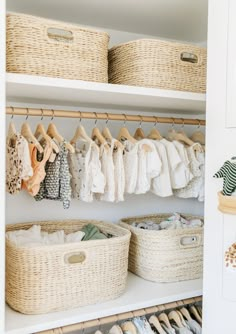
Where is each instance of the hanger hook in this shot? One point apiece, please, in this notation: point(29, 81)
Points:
point(12, 112)
point(83, 329)
point(53, 113)
point(96, 120)
point(107, 118)
point(27, 116)
point(173, 122)
point(125, 119)
point(100, 325)
point(199, 124)
point(80, 117)
point(141, 121)
point(42, 114)
point(156, 121)
point(182, 126)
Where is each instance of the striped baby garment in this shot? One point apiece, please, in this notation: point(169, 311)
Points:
point(228, 173)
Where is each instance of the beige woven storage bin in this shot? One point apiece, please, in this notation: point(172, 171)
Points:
point(42, 279)
point(49, 48)
point(159, 64)
point(160, 256)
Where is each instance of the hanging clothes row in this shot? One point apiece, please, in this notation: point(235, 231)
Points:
point(102, 167)
point(173, 318)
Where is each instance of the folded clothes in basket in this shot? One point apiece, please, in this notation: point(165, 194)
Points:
point(176, 221)
point(34, 236)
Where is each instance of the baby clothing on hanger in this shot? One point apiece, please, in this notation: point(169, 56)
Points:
point(176, 166)
point(192, 190)
point(32, 185)
point(161, 184)
point(85, 168)
point(108, 169)
point(228, 173)
point(142, 325)
point(18, 163)
point(182, 330)
point(168, 330)
point(130, 165)
point(149, 166)
point(119, 174)
point(56, 184)
point(194, 326)
point(184, 172)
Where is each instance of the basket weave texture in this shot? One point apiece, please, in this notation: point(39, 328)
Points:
point(41, 279)
point(158, 64)
point(49, 48)
point(160, 256)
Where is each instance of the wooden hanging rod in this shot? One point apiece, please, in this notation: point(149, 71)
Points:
point(101, 116)
point(121, 316)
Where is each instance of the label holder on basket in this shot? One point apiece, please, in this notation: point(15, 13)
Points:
point(189, 57)
point(189, 241)
point(75, 258)
point(59, 35)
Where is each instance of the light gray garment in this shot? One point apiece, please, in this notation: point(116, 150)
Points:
point(182, 330)
point(168, 330)
point(142, 325)
point(194, 326)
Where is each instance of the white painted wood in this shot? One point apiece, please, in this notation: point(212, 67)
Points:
point(231, 66)
point(2, 165)
point(139, 294)
point(26, 88)
point(219, 311)
point(174, 19)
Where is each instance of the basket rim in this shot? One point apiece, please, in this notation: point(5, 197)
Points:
point(164, 41)
point(116, 239)
point(136, 230)
point(69, 24)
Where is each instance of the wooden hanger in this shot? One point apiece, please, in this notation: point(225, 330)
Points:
point(155, 322)
point(53, 133)
point(199, 309)
point(96, 134)
point(40, 131)
point(124, 133)
point(154, 133)
point(128, 326)
point(80, 133)
point(174, 316)
point(173, 135)
point(28, 135)
point(185, 313)
point(116, 329)
point(182, 318)
point(163, 318)
point(139, 134)
point(108, 136)
point(195, 313)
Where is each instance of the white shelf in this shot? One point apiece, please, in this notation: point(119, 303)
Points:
point(139, 294)
point(43, 90)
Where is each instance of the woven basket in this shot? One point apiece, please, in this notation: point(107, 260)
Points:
point(227, 204)
point(161, 256)
point(59, 277)
point(49, 48)
point(159, 64)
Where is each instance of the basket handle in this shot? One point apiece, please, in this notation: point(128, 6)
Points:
point(75, 258)
point(189, 241)
point(60, 35)
point(189, 57)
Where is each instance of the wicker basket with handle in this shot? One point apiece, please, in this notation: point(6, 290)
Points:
point(59, 277)
point(165, 255)
point(159, 64)
point(49, 48)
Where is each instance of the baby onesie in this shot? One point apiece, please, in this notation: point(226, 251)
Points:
point(161, 184)
point(149, 166)
point(183, 169)
point(108, 172)
point(228, 173)
point(175, 163)
point(193, 188)
point(119, 174)
point(130, 158)
point(18, 163)
point(32, 185)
